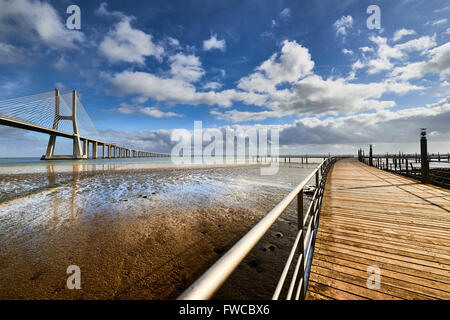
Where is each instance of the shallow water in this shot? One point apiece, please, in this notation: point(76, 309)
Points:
point(135, 232)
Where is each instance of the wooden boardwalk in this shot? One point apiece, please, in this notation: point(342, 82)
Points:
point(371, 217)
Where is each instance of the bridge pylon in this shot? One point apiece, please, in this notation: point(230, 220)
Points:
point(77, 150)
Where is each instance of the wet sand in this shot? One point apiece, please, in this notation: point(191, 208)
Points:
point(139, 233)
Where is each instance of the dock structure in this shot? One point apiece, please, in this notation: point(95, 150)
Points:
point(375, 224)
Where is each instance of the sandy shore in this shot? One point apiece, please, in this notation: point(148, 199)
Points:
point(142, 234)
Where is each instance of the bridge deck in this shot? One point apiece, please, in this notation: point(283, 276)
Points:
point(371, 217)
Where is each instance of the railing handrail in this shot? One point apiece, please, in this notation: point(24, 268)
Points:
point(205, 286)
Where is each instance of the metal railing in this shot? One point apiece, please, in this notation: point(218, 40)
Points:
point(436, 174)
point(215, 276)
point(411, 166)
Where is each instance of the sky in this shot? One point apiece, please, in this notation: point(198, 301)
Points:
point(316, 70)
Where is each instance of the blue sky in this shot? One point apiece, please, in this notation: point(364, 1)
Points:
point(312, 68)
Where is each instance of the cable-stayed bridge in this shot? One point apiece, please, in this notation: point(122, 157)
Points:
point(63, 115)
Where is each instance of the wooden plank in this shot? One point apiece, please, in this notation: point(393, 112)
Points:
point(315, 287)
point(371, 217)
point(424, 271)
point(406, 242)
point(394, 249)
point(329, 282)
point(411, 289)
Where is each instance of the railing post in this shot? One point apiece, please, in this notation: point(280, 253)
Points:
point(301, 247)
point(370, 156)
point(424, 156)
point(317, 179)
point(300, 209)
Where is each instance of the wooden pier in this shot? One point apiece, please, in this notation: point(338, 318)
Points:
point(372, 218)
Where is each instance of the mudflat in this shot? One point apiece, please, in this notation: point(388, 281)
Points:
point(139, 233)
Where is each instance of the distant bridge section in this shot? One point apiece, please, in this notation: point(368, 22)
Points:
point(45, 113)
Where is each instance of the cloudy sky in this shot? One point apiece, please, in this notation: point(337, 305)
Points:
point(311, 68)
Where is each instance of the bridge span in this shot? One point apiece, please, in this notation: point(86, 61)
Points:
point(42, 114)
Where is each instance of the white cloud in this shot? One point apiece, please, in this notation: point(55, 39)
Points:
point(60, 85)
point(103, 11)
point(293, 63)
point(285, 13)
point(152, 112)
point(60, 64)
point(386, 53)
point(401, 126)
point(214, 43)
point(442, 9)
point(26, 19)
point(186, 67)
point(437, 22)
point(176, 90)
point(366, 49)
point(10, 86)
point(173, 42)
point(342, 24)
point(267, 34)
point(243, 116)
point(441, 21)
point(447, 31)
point(149, 85)
point(126, 44)
point(376, 128)
point(347, 51)
point(10, 54)
point(212, 85)
point(438, 62)
point(357, 65)
point(402, 33)
point(421, 44)
point(303, 92)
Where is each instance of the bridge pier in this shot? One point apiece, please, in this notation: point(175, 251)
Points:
point(94, 149)
point(77, 153)
point(86, 148)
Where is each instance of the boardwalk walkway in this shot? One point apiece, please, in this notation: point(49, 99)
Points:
point(372, 217)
